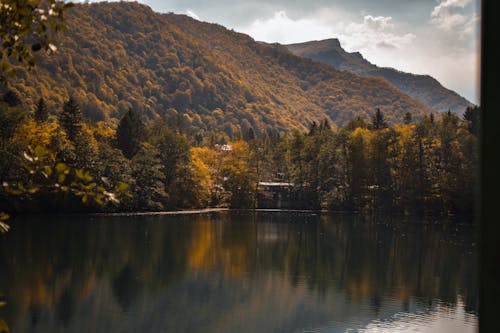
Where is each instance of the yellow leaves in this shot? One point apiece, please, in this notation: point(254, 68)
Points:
point(363, 133)
point(103, 130)
point(404, 130)
point(31, 133)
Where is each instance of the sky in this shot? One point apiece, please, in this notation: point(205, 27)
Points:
point(435, 37)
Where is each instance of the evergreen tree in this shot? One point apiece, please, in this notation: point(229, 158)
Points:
point(472, 116)
point(378, 120)
point(41, 112)
point(149, 188)
point(407, 119)
point(71, 118)
point(130, 133)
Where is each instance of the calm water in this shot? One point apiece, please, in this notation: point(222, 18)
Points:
point(237, 272)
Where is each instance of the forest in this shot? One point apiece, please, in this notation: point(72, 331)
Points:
point(62, 161)
point(119, 55)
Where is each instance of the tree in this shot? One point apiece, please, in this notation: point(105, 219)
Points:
point(378, 120)
point(239, 177)
point(41, 112)
point(149, 190)
point(26, 27)
point(407, 119)
point(130, 133)
point(71, 118)
point(473, 116)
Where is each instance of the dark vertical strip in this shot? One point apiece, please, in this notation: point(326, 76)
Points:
point(489, 304)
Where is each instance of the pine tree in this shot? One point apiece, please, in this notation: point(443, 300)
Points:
point(71, 118)
point(378, 120)
point(130, 133)
point(407, 119)
point(41, 112)
point(472, 116)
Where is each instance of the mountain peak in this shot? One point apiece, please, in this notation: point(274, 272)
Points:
point(118, 56)
point(423, 88)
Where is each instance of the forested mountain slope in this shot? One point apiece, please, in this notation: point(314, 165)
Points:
point(423, 88)
point(119, 55)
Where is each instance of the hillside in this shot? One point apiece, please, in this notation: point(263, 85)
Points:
point(423, 88)
point(119, 55)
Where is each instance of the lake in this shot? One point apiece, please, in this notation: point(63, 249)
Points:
point(238, 272)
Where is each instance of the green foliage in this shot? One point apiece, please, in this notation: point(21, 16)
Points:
point(130, 133)
point(422, 168)
point(473, 116)
point(49, 176)
point(147, 170)
point(71, 118)
point(378, 120)
point(429, 166)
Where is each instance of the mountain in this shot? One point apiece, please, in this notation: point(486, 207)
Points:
point(423, 88)
point(118, 55)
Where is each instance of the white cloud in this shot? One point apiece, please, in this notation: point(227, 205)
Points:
point(192, 14)
point(378, 23)
point(373, 33)
point(450, 17)
point(382, 41)
point(281, 28)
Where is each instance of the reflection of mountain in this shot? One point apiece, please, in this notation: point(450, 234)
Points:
point(229, 272)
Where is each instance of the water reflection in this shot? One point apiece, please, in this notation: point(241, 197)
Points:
point(237, 272)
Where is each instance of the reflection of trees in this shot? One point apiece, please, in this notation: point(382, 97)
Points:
point(55, 265)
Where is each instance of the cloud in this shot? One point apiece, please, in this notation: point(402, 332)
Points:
point(382, 41)
point(281, 28)
point(370, 33)
point(449, 16)
point(378, 23)
point(385, 45)
point(192, 14)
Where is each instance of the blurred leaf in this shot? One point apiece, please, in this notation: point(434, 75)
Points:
point(4, 227)
point(61, 178)
point(61, 168)
point(40, 151)
point(79, 173)
point(87, 177)
point(122, 187)
point(33, 190)
point(48, 170)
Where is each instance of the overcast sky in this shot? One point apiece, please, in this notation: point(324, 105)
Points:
point(435, 37)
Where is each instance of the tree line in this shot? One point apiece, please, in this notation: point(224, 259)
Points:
point(424, 167)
